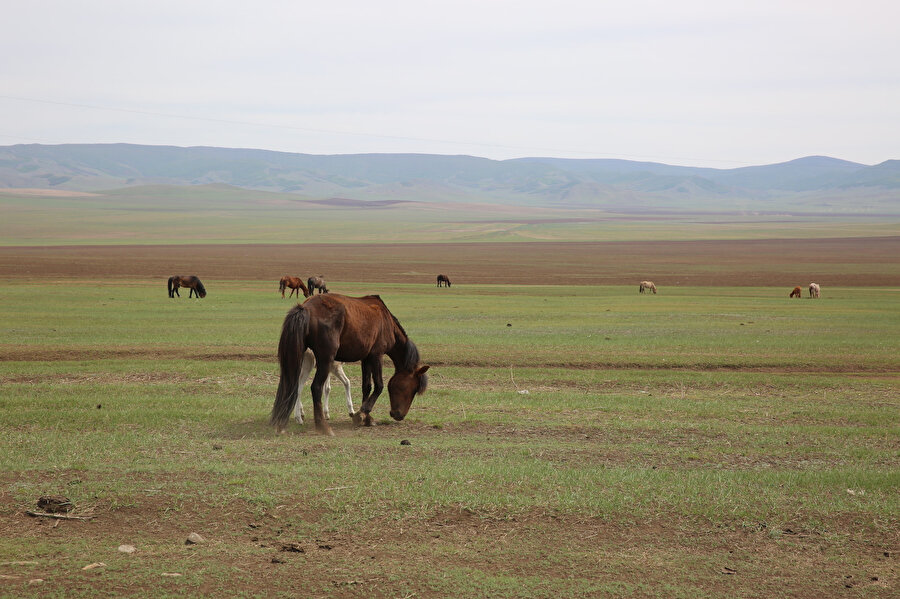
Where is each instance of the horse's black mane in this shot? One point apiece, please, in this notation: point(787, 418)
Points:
point(410, 359)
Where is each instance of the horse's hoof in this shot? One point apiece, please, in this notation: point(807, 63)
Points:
point(326, 430)
point(356, 418)
point(367, 421)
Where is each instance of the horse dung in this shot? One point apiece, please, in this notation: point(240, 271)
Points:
point(54, 504)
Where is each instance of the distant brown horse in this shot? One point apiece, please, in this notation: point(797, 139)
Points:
point(191, 282)
point(296, 285)
point(814, 290)
point(346, 329)
point(797, 292)
point(316, 283)
point(443, 280)
point(647, 285)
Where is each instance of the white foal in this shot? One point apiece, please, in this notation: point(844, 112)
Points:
point(307, 366)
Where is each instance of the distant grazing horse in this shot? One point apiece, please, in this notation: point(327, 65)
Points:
point(316, 283)
point(647, 285)
point(814, 290)
point(797, 292)
point(346, 329)
point(337, 369)
point(443, 280)
point(296, 285)
point(192, 282)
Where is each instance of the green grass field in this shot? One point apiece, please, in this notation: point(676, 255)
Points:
point(574, 442)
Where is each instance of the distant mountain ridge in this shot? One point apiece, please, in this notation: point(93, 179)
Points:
point(815, 183)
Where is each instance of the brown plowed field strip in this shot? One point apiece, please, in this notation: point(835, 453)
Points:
point(862, 261)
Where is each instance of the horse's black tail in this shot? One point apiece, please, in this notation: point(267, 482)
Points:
point(290, 353)
point(282, 285)
point(171, 291)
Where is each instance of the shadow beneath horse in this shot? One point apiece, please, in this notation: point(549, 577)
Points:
point(261, 429)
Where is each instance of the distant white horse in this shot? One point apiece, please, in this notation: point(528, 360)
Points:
point(337, 369)
point(814, 290)
point(647, 285)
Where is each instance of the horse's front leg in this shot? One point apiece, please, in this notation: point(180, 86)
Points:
point(373, 364)
point(366, 391)
point(323, 368)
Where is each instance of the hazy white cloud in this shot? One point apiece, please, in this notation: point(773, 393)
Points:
point(713, 83)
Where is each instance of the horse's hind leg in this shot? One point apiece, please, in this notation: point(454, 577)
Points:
point(326, 393)
point(323, 370)
point(307, 363)
point(338, 371)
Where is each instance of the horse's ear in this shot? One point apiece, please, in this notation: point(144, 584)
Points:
point(422, 378)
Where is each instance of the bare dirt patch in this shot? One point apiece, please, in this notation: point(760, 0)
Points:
point(773, 262)
point(18, 353)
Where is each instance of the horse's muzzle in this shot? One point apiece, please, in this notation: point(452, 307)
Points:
point(397, 416)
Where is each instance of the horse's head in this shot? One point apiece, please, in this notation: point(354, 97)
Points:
point(402, 389)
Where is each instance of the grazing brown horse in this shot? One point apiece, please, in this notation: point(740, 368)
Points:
point(296, 285)
point(814, 290)
point(797, 292)
point(443, 280)
point(346, 329)
point(316, 283)
point(191, 282)
point(647, 285)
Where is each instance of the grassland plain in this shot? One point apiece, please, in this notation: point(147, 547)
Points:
point(161, 215)
point(576, 441)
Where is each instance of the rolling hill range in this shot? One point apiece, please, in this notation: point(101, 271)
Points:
point(812, 185)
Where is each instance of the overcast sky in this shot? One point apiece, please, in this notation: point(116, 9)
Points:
point(712, 83)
